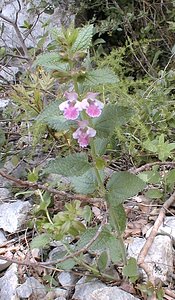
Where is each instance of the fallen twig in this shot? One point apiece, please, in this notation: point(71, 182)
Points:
point(150, 165)
point(147, 245)
point(36, 185)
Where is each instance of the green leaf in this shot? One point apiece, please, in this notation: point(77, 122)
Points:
point(105, 241)
point(100, 145)
point(112, 116)
point(101, 76)
point(52, 116)
point(117, 217)
point(50, 110)
point(67, 264)
point(51, 61)
point(102, 261)
point(123, 185)
point(72, 165)
point(86, 183)
point(131, 270)
point(83, 40)
point(2, 137)
point(40, 241)
point(59, 123)
point(150, 176)
point(154, 194)
point(170, 178)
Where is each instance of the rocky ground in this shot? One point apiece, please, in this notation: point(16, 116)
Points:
point(22, 278)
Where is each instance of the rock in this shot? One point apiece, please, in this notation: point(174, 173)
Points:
point(9, 74)
point(13, 215)
point(84, 289)
point(3, 263)
point(159, 258)
point(111, 293)
point(57, 293)
point(60, 16)
point(4, 103)
point(4, 194)
point(67, 279)
point(31, 287)
point(167, 228)
point(9, 283)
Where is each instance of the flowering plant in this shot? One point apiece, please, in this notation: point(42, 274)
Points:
point(91, 122)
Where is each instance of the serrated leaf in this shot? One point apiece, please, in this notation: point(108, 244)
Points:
point(59, 123)
point(131, 270)
point(52, 116)
point(117, 217)
point(102, 261)
point(101, 77)
point(86, 183)
point(47, 58)
point(111, 117)
point(51, 109)
point(83, 40)
point(72, 165)
point(40, 241)
point(123, 185)
point(51, 61)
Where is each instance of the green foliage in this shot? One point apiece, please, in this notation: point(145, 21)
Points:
point(149, 290)
point(160, 147)
point(131, 270)
point(106, 241)
point(40, 241)
point(72, 165)
point(2, 137)
point(112, 116)
point(118, 191)
point(100, 77)
point(83, 40)
point(86, 183)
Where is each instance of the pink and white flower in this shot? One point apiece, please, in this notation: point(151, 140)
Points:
point(92, 105)
point(84, 133)
point(71, 107)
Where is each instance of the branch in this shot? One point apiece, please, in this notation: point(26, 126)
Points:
point(150, 165)
point(151, 237)
point(36, 185)
point(18, 33)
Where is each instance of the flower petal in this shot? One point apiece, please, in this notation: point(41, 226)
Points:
point(64, 105)
point(71, 113)
point(91, 96)
point(91, 132)
point(93, 111)
point(72, 96)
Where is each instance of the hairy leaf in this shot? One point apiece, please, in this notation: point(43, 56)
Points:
point(86, 183)
point(52, 116)
point(72, 165)
point(112, 116)
point(123, 185)
point(40, 241)
point(51, 61)
point(117, 217)
point(100, 76)
point(83, 40)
